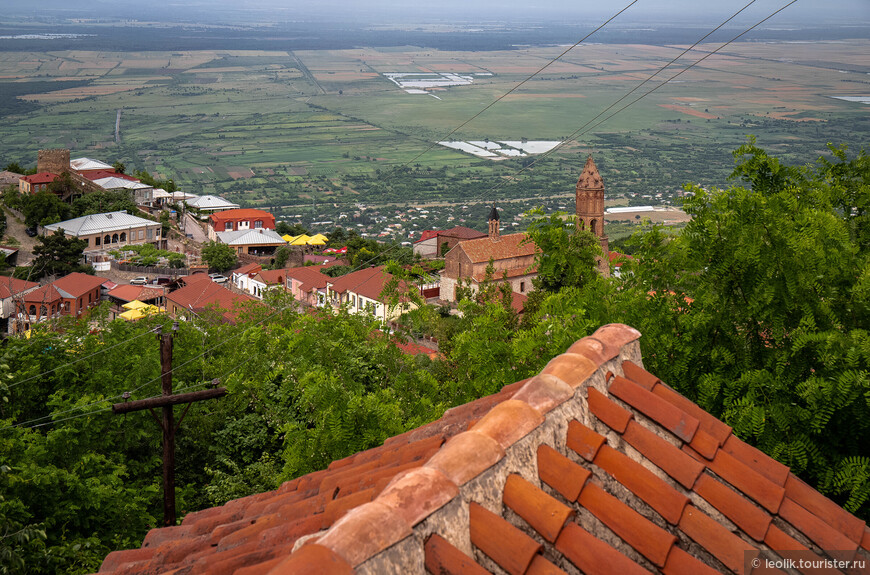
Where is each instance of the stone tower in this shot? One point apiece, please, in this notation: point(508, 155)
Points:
point(590, 202)
point(55, 161)
point(494, 224)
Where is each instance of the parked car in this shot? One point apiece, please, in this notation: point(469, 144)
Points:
point(218, 278)
point(30, 231)
point(139, 281)
point(161, 280)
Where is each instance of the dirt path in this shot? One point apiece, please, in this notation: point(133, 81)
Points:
point(15, 229)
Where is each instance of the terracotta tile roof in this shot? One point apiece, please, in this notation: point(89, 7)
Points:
point(462, 233)
point(77, 284)
point(270, 277)
point(202, 293)
point(427, 235)
point(45, 294)
point(586, 467)
point(129, 293)
point(250, 214)
point(510, 246)
point(310, 276)
point(40, 178)
point(251, 268)
point(10, 286)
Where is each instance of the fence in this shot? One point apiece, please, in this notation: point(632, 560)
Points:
point(150, 269)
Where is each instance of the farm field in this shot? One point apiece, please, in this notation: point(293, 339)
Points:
point(317, 132)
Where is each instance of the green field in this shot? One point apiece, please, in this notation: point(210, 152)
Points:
point(286, 129)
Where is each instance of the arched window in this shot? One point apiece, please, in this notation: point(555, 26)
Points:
point(43, 310)
point(592, 226)
point(106, 239)
point(33, 310)
point(114, 238)
point(123, 236)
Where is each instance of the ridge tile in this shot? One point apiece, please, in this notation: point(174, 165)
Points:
point(681, 563)
point(756, 486)
point(823, 508)
point(571, 368)
point(443, 558)
point(545, 514)
point(545, 392)
point(718, 429)
point(560, 473)
point(665, 414)
point(418, 493)
point(466, 456)
point(583, 440)
point(512, 549)
point(616, 335)
point(365, 531)
point(715, 538)
point(754, 458)
point(639, 375)
point(666, 500)
point(592, 555)
point(746, 515)
point(612, 415)
point(591, 348)
point(648, 539)
point(664, 454)
point(509, 421)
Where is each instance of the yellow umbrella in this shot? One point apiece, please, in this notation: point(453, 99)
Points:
point(288, 238)
point(300, 240)
point(139, 313)
point(320, 237)
point(315, 241)
point(135, 304)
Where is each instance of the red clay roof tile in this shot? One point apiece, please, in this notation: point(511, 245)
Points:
point(666, 500)
point(779, 540)
point(707, 422)
point(592, 555)
point(509, 421)
point(541, 566)
point(117, 559)
point(664, 454)
point(442, 558)
point(591, 348)
point(865, 542)
point(763, 464)
point(744, 513)
point(583, 440)
point(705, 444)
point(364, 531)
point(466, 455)
point(824, 508)
point(571, 368)
point(313, 559)
point(288, 532)
point(614, 336)
point(607, 411)
point(712, 536)
point(648, 539)
point(639, 375)
point(260, 568)
point(665, 414)
point(744, 478)
point(815, 528)
point(546, 515)
point(338, 507)
point(544, 392)
point(681, 563)
point(416, 494)
point(512, 549)
point(560, 473)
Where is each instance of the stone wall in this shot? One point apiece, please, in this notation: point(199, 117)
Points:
point(55, 161)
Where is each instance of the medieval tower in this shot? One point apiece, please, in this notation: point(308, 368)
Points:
point(589, 196)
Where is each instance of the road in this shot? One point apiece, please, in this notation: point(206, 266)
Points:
point(194, 228)
point(15, 229)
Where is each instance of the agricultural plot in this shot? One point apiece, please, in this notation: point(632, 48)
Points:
point(277, 128)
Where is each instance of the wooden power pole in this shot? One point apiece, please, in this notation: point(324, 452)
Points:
point(167, 424)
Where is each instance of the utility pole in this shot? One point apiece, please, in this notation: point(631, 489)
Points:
point(167, 424)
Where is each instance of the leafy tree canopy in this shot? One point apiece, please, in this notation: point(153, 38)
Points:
point(219, 256)
point(58, 255)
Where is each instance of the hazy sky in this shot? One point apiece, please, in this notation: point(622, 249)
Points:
point(566, 11)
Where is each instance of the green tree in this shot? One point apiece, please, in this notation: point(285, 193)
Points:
point(282, 254)
point(102, 202)
point(43, 208)
point(14, 167)
point(218, 256)
point(58, 255)
point(119, 167)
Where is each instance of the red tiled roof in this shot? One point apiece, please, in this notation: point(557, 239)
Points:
point(10, 286)
point(77, 284)
point(247, 269)
point(100, 174)
point(45, 294)
point(593, 465)
point(427, 235)
point(462, 233)
point(310, 276)
point(200, 294)
point(243, 214)
point(509, 246)
point(40, 178)
point(130, 293)
point(273, 276)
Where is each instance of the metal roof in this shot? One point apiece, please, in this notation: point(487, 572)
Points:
point(211, 203)
point(259, 236)
point(114, 183)
point(99, 223)
point(88, 164)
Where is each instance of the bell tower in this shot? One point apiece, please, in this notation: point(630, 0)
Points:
point(494, 223)
point(590, 202)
